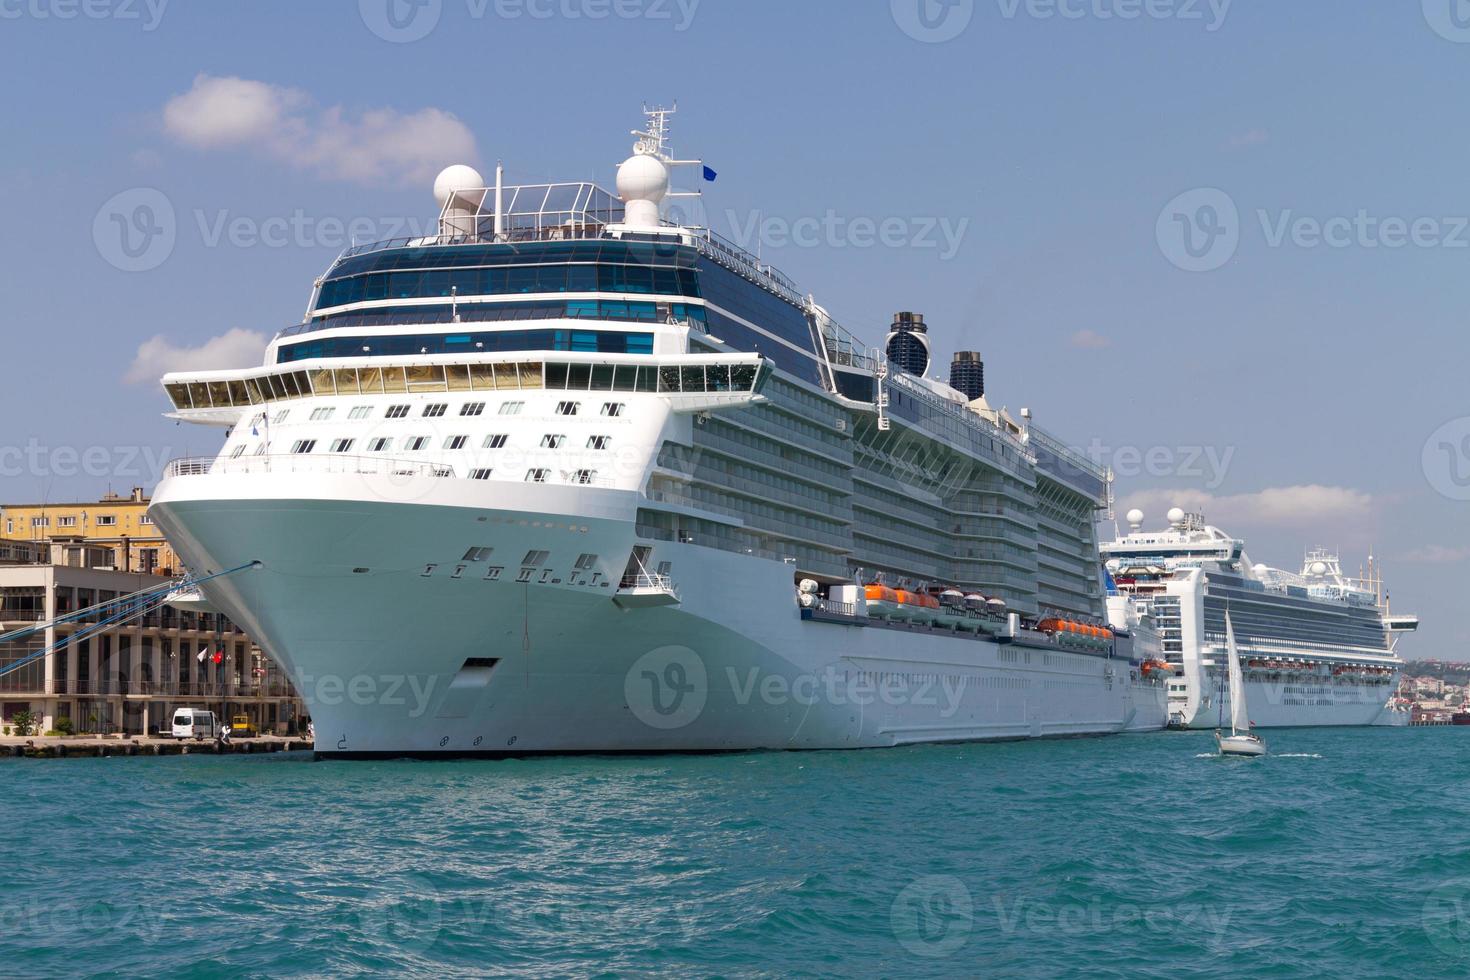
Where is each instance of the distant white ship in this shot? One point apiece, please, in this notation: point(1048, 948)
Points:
point(571, 477)
point(1316, 647)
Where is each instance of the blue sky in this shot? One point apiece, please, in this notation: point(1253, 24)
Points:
point(1037, 173)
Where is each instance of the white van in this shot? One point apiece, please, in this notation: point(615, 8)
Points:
point(195, 723)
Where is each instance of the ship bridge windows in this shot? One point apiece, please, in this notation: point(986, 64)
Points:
point(516, 375)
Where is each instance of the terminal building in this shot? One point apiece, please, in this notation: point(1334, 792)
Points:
point(129, 677)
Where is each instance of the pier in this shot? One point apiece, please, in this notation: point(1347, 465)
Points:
point(58, 747)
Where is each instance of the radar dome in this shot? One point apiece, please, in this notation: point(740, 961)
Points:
point(1176, 515)
point(454, 178)
point(1134, 516)
point(1319, 568)
point(1261, 568)
point(642, 178)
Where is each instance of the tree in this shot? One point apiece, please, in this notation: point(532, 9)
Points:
point(24, 722)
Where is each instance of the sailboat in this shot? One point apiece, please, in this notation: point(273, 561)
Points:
point(1240, 741)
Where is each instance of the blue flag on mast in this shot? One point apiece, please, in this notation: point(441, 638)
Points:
point(709, 174)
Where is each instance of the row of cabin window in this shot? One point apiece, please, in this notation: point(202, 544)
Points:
point(439, 409)
point(413, 444)
point(536, 474)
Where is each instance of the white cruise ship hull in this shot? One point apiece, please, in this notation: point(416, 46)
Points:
point(400, 647)
point(1277, 704)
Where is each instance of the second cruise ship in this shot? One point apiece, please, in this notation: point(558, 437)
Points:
point(570, 477)
point(1317, 647)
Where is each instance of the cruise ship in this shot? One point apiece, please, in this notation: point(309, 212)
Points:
point(571, 477)
point(1317, 647)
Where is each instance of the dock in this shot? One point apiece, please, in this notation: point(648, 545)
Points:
point(98, 746)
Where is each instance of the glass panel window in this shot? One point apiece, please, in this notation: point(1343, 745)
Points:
point(435, 411)
point(397, 411)
point(598, 442)
point(536, 475)
point(511, 408)
point(416, 443)
point(456, 442)
point(472, 408)
point(584, 476)
point(612, 409)
point(552, 441)
point(303, 446)
point(342, 445)
point(480, 474)
point(380, 445)
point(360, 412)
point(567, 408)
point(322, 414)
point(495, 441)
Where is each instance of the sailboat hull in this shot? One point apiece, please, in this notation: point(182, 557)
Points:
point(1243, 745)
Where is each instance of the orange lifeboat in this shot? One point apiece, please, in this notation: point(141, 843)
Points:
point(883, 602)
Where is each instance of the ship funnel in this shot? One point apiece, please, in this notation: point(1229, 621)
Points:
point(967, 374)
point(908, 343)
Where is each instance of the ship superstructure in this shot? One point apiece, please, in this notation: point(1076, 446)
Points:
point(595, 481)
point(1316, 646)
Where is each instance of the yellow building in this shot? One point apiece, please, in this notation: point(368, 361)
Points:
point(115, 522)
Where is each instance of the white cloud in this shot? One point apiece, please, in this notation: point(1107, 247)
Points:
point(1090, 340)
point(236, 349)
point(1436, 554)
point(373, 146)
point(1302, 508)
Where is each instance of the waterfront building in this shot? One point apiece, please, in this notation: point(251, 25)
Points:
point(120, 524)
point(126, 678)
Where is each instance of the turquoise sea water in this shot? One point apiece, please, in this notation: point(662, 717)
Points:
point(1346, 852)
